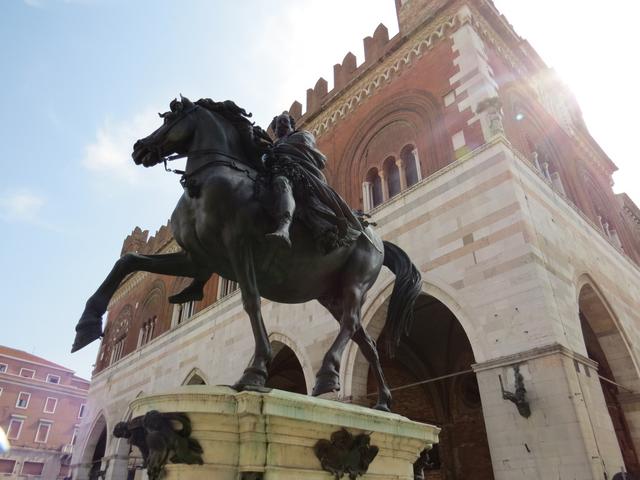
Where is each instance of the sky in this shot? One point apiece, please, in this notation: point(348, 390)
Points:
point(83, 79)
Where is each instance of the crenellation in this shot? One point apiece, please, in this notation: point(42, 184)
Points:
point(316, 94)
point(374, 46)
point(295, 110)
point(140, 242)
point(343, 72)
point(136, 242)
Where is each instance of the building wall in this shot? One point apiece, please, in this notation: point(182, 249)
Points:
point(513, 225)
point(53, 450)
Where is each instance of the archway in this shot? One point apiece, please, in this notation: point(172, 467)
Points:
point(97, 470)
point(606, 345)
point(285, 371)
point(93, 450)
point(432, 382)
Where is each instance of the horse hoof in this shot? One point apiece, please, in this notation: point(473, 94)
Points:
point(85, 335)
point(252, 379)
point(326, 384)
point(383, 407)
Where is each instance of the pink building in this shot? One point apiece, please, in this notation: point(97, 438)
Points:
point(41, 406)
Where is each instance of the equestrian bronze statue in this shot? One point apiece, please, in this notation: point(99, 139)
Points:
point(260, 213)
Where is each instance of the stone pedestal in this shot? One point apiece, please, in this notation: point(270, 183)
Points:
point(268, 436)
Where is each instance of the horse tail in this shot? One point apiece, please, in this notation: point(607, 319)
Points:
point(406, 289)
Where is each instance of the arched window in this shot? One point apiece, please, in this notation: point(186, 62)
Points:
point(147, 330)
point(118, 334)
point(372, 189)
point(409, 156)
point(392, 176)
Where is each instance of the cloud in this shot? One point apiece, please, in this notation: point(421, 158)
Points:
point(34, 3)
point(21, 206)
point(110, 152)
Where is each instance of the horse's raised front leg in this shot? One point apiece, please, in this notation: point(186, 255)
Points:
point(328, 377)
point(89, 326)
point(255, 375)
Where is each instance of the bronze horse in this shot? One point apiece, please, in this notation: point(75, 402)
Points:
point(220, 223)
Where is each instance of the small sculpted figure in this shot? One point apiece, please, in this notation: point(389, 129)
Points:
point(160, 442)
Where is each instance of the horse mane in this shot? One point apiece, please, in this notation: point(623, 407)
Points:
point(255, 141)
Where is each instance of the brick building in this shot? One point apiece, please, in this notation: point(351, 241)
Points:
point(41, 407)
point(471, 155)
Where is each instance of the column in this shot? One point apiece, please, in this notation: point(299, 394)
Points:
point(367, 202)
point(403, 173)
point(385, 185)
point(416, 159)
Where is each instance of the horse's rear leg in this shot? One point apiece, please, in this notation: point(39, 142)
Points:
point(368, 348)
point(89, 326)
point(370, 352)
point(328, 377)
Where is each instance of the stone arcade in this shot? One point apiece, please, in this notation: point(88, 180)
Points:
point(470, 154)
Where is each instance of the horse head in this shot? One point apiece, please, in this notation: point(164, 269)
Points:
point(172, 137)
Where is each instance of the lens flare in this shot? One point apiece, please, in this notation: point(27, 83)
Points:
point(4, 442)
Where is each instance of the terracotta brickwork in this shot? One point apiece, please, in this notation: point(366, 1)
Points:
point(41, 407)
point(471, 155)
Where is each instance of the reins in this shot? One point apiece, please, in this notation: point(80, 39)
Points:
point(233, 163)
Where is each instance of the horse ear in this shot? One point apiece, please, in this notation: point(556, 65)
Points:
point(175, 105)
point(186, 102)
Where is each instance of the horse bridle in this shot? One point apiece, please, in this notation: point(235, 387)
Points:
point(205, 151)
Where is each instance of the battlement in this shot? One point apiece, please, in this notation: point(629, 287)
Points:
point(412, 16)
point(140, 242)
point(376, 46)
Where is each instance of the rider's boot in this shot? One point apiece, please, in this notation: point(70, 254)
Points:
point(281, 234)
point(283, 209)
point(193, 292)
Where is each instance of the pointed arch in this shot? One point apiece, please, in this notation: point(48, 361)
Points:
point(606, 344)
point(195, 377)
point(602, 318)
point(354, 366)
point(441, 347)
